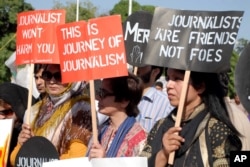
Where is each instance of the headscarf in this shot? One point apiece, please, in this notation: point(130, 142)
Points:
point(16, 96)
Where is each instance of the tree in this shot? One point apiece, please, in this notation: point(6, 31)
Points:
point(86, 10)
point(148, 8)
point(8, 25)
point(122, 8)
point(240, 45)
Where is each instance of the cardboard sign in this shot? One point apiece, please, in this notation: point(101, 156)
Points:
point(92, 50)
point(100, 162)
point(242, 78)
point(35, 151)
point(192, 40)
point(36, 38)
point(6, 126)
point(136, 30)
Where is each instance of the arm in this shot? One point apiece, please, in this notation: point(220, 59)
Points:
point(220, 142)
point(14, 154)
point(171, 142)
point(161, 159)
point(97, 151)
point(23, 136)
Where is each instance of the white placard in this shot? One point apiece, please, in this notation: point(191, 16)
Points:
point(6, 126)
point(100, 162)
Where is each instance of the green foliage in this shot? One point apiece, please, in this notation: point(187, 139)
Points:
point(8, 24)
point(86, 10)
point(233, 62)
point(148, 8)
point(122, 8)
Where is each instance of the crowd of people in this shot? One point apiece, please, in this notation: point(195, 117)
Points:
point(140, 120)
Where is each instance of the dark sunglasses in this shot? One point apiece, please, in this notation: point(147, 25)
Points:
point(6, 112)
point(47, 76)
point(102, 93)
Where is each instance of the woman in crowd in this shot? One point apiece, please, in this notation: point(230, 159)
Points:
point(206, 135)
point(121, 135)
point(40, 83)
point(63, 116)
point(13, 103)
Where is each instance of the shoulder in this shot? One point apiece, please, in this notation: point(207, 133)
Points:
point(137, 131)
point(222, 136)
point(136, 136)
point(214, 125)
point(156, 130)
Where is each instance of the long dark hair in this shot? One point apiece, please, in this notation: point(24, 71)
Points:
point(213, 96)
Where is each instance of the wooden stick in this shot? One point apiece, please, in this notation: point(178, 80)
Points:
point(31, 71)
point(135, 70)
point(180, 110)
point(93, 111)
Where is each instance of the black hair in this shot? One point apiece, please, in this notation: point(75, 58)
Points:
point(128, 88)
point(37, 67)
point(213, 96)
point(159, 83)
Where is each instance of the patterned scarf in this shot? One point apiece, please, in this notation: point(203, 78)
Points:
point(47, 115)
point(119, 137)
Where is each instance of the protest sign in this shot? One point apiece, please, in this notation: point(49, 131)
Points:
point(242, 78)
point(36, 38)
point(192, 40)
point(92, 50)
point(35, 151)
point(100, 162)
point(6, 126)
point(136, 30)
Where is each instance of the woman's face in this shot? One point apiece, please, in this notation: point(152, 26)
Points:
point(7, 113)
point(106, 99)
point(174, 86)
point(40, 83)
point(53, 81)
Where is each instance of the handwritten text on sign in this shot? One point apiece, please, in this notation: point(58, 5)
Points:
point(90, 47)
point(36, 40)
point(194, 37)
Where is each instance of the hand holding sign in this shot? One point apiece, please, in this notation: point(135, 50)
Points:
point(193, 41)
point(92, 50)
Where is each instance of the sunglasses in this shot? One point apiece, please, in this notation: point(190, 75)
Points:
point(102, 93)
point(47, 76)
point(6, 112)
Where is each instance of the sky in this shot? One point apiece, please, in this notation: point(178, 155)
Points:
point(212, 5)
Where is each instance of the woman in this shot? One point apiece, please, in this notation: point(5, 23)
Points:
point(206, 135)
point(121, 136)
point(63, 116)
point(13, 103)
point(39, 81)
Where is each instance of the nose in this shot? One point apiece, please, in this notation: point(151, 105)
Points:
point(169, 84)
point(53, 80)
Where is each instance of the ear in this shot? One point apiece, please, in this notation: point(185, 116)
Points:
point(124, 103)
point(155, 72)
point(201, 88)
